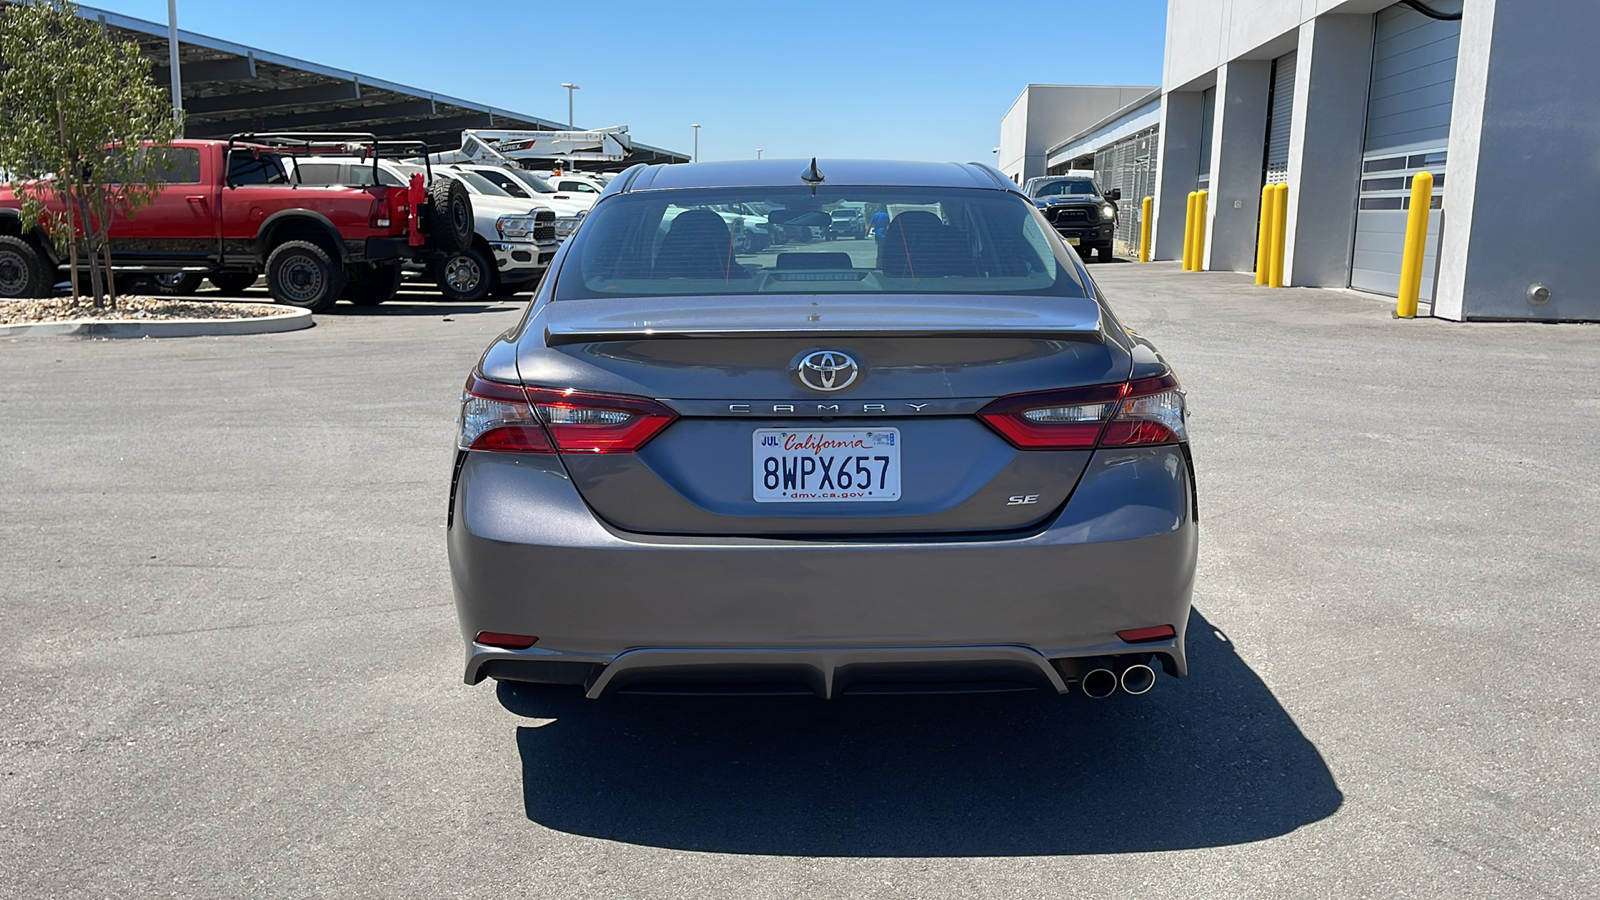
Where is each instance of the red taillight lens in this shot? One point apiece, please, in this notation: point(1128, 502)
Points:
point(496, 416)
point(599, 423)
point(1054, 420)
point(513, 419)
point(1153, 633)
point(505, 641)
point(380, 217)
point(1147, 411)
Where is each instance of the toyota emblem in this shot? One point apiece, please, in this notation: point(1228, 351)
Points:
point(828, 370)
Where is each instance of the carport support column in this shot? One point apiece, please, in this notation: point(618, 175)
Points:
point(1332, 69)
point(1177, 170)
point(1237, 138)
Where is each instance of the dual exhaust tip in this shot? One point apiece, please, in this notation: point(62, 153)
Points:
point(1101, 683)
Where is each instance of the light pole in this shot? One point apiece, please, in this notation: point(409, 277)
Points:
point(696, 128)
point(758, 153)
point(172, 63)
point(570, 88)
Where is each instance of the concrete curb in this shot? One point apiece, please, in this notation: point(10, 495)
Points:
point(289, 320)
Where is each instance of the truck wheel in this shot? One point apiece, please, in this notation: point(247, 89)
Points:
point(177, 283)
point(466, 276)
point(233, 283)
point(372, 283)
point(450, 221)
point(23, 274)
point(302, 274)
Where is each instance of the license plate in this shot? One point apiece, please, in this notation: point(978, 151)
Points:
point(826, 465)
point(1073, 241)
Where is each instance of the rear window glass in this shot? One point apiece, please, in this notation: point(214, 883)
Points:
point(778, 240)
point(248, 167)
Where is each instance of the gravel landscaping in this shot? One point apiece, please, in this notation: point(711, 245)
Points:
point(62, 309)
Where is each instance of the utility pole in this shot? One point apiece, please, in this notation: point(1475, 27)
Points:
point(172, 64)
point(758, 153)
point(570, 88)
point(696, 128)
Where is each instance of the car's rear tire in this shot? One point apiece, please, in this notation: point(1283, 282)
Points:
point(465, 276)
point(299, 273)
point(450, 222)
point(233, 284)
point(369, 284)
point(23, 272)
point(176, 283)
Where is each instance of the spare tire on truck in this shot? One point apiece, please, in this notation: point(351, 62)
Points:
point(450, 222)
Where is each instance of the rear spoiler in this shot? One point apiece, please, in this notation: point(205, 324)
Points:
point(819, 316)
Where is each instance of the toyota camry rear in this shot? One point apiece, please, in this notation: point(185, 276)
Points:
point(928, 460)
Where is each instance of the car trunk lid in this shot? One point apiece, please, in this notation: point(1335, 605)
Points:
point(912, 370)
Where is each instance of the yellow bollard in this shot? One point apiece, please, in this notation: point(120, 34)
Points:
point(1264, 236)
point(1405, 305)
point(1144, 228)
point(1280, 230)
point(1200, 231)
point(1188, 232)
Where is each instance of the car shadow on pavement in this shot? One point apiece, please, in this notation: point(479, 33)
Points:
point(417, 306)
point(1205, 761)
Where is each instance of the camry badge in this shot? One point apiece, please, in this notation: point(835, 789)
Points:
point(828, 370)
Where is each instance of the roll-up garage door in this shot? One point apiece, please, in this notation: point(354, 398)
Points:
point(1208, 118)
point(1408, 131)
point(1280, 114)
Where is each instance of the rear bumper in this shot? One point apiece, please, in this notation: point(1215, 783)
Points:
point(610, 608)
point(377, 249)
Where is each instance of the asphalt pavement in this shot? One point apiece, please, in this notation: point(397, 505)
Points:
point(229, 663)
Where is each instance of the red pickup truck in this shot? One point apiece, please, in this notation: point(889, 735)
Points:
point(230, 211)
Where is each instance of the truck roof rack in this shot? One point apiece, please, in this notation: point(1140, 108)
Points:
point(357, 143)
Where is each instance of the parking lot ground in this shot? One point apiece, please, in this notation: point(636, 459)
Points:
point(229, 664)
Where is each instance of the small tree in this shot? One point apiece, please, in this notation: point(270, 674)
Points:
point(77, 107)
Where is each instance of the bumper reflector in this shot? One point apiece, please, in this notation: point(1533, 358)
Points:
point(1153, 633)
point(505, 641)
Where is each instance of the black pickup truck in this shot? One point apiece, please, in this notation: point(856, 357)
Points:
point(1084, 215)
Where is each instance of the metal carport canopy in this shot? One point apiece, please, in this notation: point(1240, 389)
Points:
point(230, 88)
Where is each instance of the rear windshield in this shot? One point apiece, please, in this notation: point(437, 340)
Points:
point(778, 240)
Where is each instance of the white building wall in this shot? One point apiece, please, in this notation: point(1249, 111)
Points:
point(1204, 34)
point(1044, 115)
point(1522, 201)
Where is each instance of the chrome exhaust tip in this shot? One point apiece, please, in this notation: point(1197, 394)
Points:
point(1099, 683)
point(1138, 678)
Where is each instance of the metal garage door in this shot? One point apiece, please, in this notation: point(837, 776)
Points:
point(1408, 131)
point(1280, 114)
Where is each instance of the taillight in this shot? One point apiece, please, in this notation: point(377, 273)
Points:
point(496, 416)
point(1152, 413)
point(380, 212)
point(599, 423)
point(1146, 411)
point(513, 419)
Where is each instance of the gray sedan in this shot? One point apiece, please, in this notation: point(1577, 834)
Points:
point(934, 461)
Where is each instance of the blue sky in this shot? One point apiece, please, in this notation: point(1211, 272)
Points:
point(889, 79)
